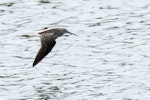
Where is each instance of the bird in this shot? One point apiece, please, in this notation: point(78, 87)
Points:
point(48, 41)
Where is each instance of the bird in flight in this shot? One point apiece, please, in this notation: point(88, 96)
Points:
point(48, 38)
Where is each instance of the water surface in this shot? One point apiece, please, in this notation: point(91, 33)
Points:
point(108, 60)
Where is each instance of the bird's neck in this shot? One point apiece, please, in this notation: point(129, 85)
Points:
point(56, 35)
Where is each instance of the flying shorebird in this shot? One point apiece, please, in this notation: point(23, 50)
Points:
point(48, 42)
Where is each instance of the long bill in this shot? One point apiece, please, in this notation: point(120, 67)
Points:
point(72, 33)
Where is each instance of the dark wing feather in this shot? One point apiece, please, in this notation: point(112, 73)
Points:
point(47, 43)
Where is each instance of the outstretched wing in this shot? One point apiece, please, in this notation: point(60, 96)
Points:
point(47, 43)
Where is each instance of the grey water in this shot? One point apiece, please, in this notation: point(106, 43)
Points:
point(109, 59)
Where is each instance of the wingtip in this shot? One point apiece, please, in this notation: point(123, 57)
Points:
point(33, 64)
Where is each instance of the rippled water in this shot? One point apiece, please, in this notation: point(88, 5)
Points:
point(108, 60)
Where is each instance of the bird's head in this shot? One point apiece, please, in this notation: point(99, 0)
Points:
point(59, 32)
point(64, 30)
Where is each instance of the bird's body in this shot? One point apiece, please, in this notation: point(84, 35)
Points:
point(48, 42)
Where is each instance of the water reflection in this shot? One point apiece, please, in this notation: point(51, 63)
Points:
point(46, 92)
